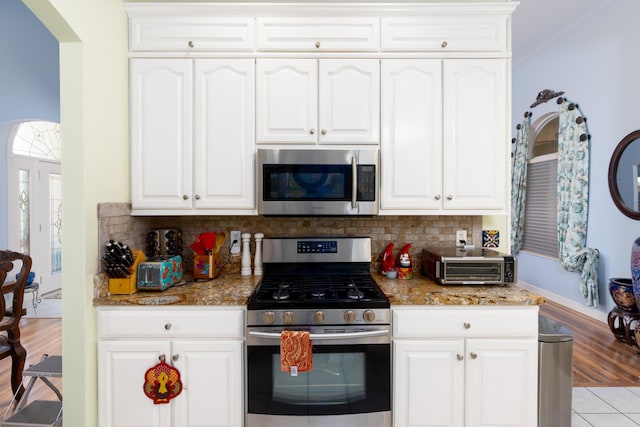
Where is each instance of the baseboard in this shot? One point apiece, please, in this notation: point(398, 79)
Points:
point(587, 311)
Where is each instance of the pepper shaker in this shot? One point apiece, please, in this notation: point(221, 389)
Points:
point(257, 260)
point(246, 255)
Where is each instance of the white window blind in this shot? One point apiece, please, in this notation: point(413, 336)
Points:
point(540, 223)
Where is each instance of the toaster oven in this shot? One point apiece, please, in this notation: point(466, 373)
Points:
point(459, 266)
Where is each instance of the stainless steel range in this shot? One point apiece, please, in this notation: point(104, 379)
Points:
point(323, 286)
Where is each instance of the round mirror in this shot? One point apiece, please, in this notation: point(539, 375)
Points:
point(624, 175)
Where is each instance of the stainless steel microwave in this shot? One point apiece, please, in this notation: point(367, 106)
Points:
point(317, 182)
point(457, 266)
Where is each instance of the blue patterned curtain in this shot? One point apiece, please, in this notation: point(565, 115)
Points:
point(573, 201)
point(519, 183)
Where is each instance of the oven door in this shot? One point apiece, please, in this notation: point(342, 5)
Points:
point(317, 182)
point(350, 383)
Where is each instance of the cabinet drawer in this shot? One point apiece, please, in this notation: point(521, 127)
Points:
point(191, 33)
point(444, 33)
point(162, 322)
point(318, 34)
point(465, 322)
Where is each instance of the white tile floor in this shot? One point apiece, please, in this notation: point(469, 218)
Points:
point(606, 407)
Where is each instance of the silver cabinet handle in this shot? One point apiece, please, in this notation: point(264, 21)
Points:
point(473, 355)
point(450, 197)
point(318, 44)
point(197, 197)
point(324, 131)
point(190, 43)
point(437, 197)
point(460, 356)
point(175, 357)
point(185, 197)
point(167, 326)
point(467, 325)
point(444, 44)
point(312, 131)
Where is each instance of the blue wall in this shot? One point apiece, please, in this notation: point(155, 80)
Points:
point(596, 64)
point(29, 81)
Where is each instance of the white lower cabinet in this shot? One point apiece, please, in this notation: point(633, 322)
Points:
point(210, 365)
point(457, 367)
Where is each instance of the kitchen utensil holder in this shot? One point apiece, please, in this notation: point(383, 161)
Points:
point(206, 266)
point(127, 285)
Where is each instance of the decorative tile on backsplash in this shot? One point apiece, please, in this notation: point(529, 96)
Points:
point(490, 238)
point(115, 222)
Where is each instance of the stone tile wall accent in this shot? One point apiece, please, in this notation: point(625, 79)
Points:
point(115, 222)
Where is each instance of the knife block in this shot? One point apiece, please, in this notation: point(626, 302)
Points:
point(206, 266)
point(127, 285)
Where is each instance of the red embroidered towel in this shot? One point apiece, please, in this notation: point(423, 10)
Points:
point(295, 350)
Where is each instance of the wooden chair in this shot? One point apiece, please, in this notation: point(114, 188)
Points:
point(10, 345)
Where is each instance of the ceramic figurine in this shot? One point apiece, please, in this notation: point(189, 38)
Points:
point(388, 263)
point(405, 271)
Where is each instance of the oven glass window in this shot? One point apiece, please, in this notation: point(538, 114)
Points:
point(307, 182)
point(336, 379)
point(345, 379)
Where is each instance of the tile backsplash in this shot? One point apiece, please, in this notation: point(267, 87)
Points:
point(115, 222)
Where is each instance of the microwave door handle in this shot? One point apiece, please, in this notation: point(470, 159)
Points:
point(320, 337)
point(354, 182)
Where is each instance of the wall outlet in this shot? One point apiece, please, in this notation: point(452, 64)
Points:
point(461, 238)
point(235, 241)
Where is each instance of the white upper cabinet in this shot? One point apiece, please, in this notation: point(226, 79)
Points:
point(326, 101)
point(445, 33)
point(444, 136)
point(317, 34)
point(192, 136)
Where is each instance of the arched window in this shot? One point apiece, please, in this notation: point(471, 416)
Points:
point(37, 139)
point(540, 223)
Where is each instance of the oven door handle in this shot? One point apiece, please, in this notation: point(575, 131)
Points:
point(320, 337)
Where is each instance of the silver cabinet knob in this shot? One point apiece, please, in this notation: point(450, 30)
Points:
point(312, 131)
point(450, 197)
point(467, 325)
point(175, 357)
point(437, 197)
point(369, 316)
point(317, 44)
point(444, 44)
point(473, 355)
point(167, 326)
point(197, 197)
point(460, 356)
point(185, 197)
point(324, 131)
point(190, 43)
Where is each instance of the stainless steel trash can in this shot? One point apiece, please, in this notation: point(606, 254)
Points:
point(555, 379)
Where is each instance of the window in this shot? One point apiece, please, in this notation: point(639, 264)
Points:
point(540, 213)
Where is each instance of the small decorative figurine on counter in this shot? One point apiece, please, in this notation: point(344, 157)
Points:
point(388, 262)
point(405, 271)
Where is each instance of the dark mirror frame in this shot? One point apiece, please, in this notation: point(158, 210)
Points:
point(613, 172)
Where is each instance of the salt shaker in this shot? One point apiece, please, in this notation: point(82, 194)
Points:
point(246, 255)
point(257, 258)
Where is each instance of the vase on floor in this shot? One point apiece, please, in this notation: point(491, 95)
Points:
point(635, 270)
point(622, 293)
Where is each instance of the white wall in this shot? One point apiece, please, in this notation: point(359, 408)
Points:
point(596, 64)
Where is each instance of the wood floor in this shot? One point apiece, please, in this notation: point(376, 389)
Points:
point(598, 359)
point(38, 336)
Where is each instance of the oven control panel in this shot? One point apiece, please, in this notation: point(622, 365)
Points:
point(317, 247)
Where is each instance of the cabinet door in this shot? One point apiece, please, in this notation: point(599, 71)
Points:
point(121, 369)
point(411, 146)
point(428, 385)
point(287, 101)
point(212, 376)
point(161, 140)
point(475, 134)
point(502, 382)
point(224, 134)
point(349, 101)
